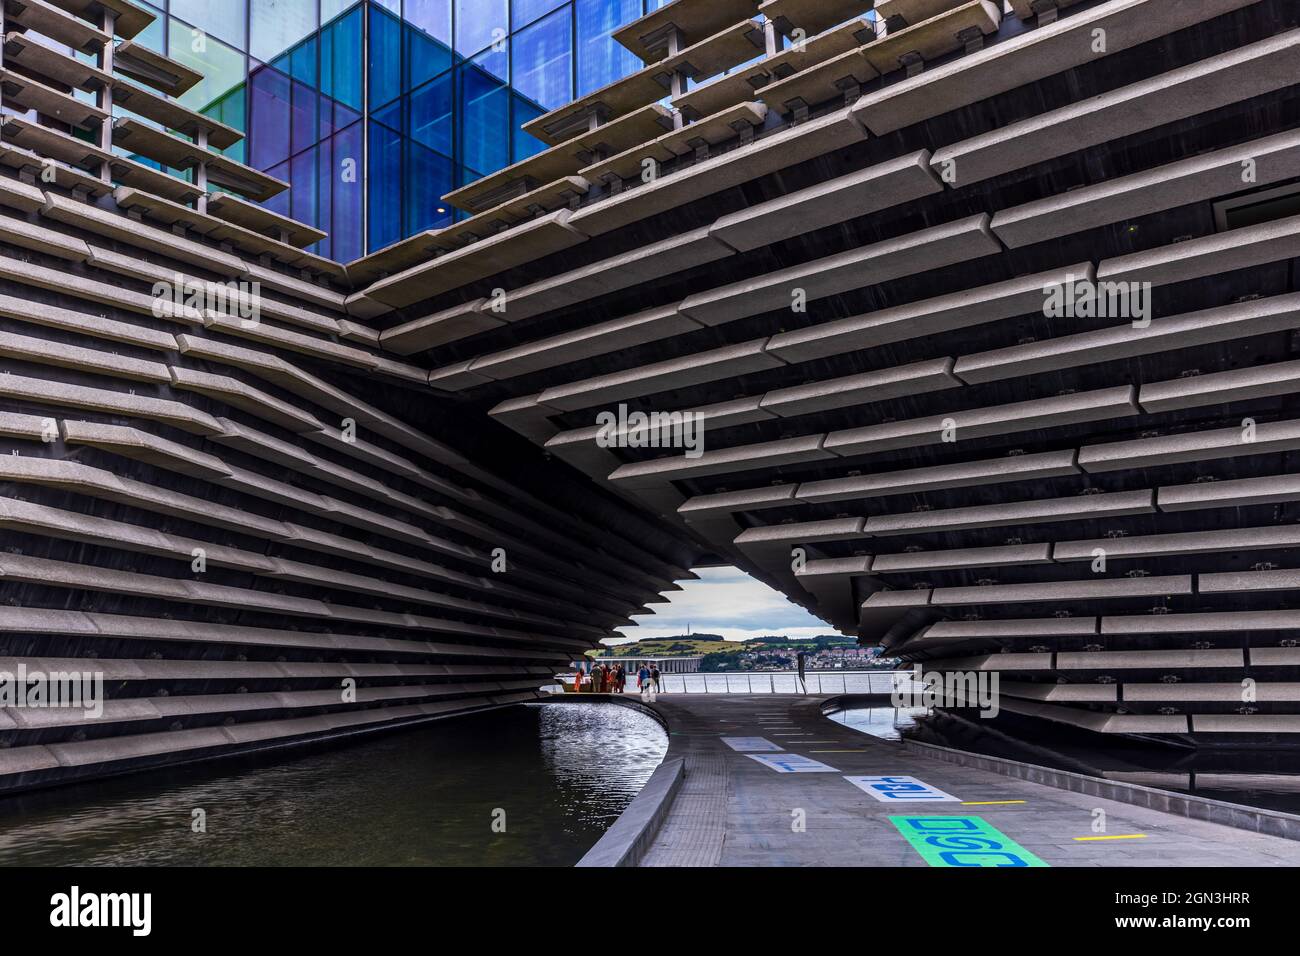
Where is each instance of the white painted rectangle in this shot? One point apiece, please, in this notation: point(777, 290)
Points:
point(791, 763)
point(898, 789)
point(743, 744)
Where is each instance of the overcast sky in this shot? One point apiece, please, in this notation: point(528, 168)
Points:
point(729, 602)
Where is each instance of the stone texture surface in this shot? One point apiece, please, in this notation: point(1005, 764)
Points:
point(732, 811)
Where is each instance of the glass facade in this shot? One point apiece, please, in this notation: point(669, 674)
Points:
point(373, 110)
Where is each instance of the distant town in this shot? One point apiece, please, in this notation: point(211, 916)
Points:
point(770, 653)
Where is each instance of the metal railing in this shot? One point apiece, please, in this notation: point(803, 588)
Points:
point(777, 682)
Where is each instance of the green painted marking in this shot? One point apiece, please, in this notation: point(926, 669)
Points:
point(962, 841)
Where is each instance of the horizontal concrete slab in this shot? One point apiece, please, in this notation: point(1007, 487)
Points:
point(1076, 508)
point(837, 200)
point(1268, 489)
point(911, 254)
point(956, 558)
point(1194, 391)
point(1031, 56)
point(439, 328)
point(1191, 446)
point(1208, 84)
point(1208, 255)
point(723, 362)
point(781, 149)
point(585, 342)
point(966, 424)
point(1049, 591)
point(524, 243)
point(1052, 464)
point(1198, 179)
point(916, 379)
point(643, 264)
point(958, 310)
point(722, 461)
point(1133, 338)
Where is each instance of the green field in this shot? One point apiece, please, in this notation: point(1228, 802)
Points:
point(713, 644)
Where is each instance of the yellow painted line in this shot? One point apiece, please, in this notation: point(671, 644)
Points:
point(1120, 836)
point(989, 803)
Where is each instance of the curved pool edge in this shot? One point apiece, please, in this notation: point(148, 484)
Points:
point(629, 837)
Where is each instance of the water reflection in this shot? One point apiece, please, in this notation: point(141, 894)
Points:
point(887, 723)
point(560, 772)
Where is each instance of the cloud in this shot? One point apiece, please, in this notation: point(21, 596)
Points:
point(729, 602)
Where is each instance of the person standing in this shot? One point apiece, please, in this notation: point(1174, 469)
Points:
point(643, 680)
point(803, 681)
point(654, 678)
point(620, 678)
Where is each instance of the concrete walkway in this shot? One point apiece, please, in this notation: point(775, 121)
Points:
point(733, 810)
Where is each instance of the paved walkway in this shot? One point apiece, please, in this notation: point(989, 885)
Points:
point(733, 810)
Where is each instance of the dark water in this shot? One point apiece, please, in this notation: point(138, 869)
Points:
point(562, 773)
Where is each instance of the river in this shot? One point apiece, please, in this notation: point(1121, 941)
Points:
point(534, 785)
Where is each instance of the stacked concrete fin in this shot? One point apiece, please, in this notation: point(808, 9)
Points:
point(988, 311)
point(218, 495)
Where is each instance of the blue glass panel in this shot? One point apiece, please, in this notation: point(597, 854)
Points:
point(479, 23)
point(348, 196)
point(277, 24)
point(426, 57)
point(324, 198)
point(431, 122)
point(524, 145)
point(154, 36)
point(223, 19)
point(223, 68)
point(326, 119)
point(303, 180)
point(601, 60)
point(384, 182)
point(385, 57)
point(495, 61)
point(428, 179)
point(393, 116)
point(279, 203)
point(269, 134)
point(305, 130)
point(341, 65)
point(231, 109)
point(484, 119)
point(543, 59)
point(526, 11)
point(329, 9)
point(302, 62)
point(431, 18)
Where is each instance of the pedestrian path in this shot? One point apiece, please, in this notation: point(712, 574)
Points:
point(765, 785)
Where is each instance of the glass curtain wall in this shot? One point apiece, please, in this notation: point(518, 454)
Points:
point(373, 110)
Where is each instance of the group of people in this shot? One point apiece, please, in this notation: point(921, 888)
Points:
point(604, 679)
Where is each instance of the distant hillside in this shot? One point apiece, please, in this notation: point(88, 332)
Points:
point(701, 644)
